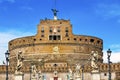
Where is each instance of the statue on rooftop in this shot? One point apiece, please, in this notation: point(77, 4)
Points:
point(54, 13)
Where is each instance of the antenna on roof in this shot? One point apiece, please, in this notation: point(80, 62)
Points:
point(55, 11)
point(55, 4)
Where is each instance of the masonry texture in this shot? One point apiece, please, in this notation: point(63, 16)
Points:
point(56, 48)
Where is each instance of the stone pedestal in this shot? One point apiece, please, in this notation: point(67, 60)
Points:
point(55, 79)
point(78, 78)
point(59, 78)
point(71, 79)
point(19, 76)
point(34, 78)
point(95, 75)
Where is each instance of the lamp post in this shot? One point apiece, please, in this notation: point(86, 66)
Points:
point(7, 61)
point(109, 68)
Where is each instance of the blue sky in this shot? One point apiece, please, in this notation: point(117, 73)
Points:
point(100, 18)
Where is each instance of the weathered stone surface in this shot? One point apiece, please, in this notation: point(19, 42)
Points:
point(57, 50)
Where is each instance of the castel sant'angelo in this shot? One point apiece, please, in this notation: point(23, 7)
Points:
point(55, 53)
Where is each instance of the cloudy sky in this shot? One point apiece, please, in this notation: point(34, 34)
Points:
point(100, 18)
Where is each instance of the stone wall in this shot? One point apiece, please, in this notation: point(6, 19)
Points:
point(63, 39)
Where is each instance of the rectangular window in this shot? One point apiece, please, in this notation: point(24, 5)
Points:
point(58, 37)
point(50, 29)
point(54, 37)
point(42, 29)
point(58, 30)
point(66, 34)
point(42, 35)
point(50, 37)
point(66, 30)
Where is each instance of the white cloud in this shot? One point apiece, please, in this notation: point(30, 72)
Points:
point(115, 57)
point(108, 11)
point(5, 37)
point(115, 47)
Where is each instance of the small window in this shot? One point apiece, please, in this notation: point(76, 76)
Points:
point(66, 29)
point(80, 39)
point(23, 40)
point(55, 65)
point(75, 39)
point(42, 29)
point(66, 35)
point(42, 35)
point(50, 29)
point(10, 44)
point(98, 41)
point(58, 30)
point(58, 37)
point(105, 74)
point(85, 39)
point(91, 40)
point(34, 39)
point(54, 37)
point(50, 37)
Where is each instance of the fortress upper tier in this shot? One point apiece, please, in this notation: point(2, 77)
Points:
point(56, 37)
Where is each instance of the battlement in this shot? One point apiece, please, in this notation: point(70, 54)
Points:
point(32, 41)
point(115, 67)
point(55, 37)
point(54, 22)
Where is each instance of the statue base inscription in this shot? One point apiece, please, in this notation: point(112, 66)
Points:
point(78, 78)
point(95, 75)
point(19, 76)
point(34, 78)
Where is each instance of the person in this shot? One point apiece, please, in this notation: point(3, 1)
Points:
point(19, 61)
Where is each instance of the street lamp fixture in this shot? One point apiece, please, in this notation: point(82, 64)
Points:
point(109, 67)
point(7, 61)
point(109, 52)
